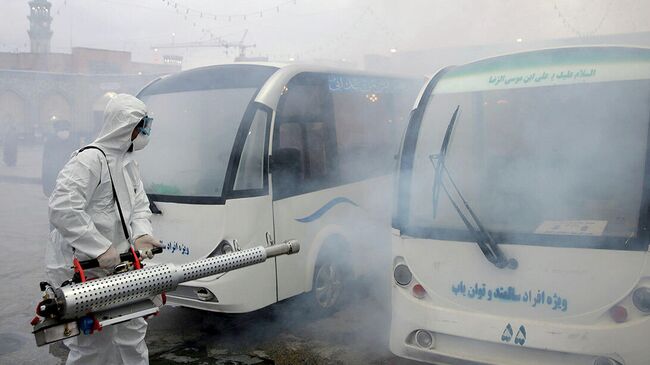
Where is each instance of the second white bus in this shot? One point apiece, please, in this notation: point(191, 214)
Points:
point(521, 229)
point(248, 154)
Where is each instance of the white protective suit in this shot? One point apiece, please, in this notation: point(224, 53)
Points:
point(85, 218)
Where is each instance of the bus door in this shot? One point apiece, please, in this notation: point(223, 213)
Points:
point(304, 157)
point(248, 220)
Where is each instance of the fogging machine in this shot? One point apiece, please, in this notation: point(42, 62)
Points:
point(81, 306)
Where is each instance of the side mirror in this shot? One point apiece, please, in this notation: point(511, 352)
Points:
point(286, 171)
point(286, 161)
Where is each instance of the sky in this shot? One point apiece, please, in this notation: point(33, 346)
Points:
point(314, 29)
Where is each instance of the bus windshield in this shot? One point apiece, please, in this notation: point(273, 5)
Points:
point(193, 134)
point(539, 160)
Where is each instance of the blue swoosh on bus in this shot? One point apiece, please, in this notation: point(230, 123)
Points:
point(322, 210)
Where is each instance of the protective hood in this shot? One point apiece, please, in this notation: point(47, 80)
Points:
point(121, 115)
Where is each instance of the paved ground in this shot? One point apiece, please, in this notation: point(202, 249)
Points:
point(275, 335)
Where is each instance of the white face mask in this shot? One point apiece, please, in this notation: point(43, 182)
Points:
point(63, 134)
point(140, 142)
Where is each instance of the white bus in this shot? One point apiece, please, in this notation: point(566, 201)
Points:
point(520, 234)
point(250, 154)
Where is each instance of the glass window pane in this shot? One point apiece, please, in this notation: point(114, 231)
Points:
point(370, 114)
point(538, 160)
point(250, 173)
point(191, 140)
point(340, 128)
point(304, 145)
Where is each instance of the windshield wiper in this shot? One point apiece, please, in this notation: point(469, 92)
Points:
point(485, 242)
point(437, 182)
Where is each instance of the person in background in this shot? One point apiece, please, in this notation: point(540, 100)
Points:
point(10, 146)
point(56, 152)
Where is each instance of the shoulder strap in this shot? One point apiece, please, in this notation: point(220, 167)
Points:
point(119, 207)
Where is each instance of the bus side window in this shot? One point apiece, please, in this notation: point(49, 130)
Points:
point(250, 173)
point(317, 151)
point(368, 128)
point(288, 161)
point(304, 149)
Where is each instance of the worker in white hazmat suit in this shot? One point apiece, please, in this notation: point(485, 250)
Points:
point(97, 207)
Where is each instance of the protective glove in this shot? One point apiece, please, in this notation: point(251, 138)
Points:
point(109, 259)
point(145, 243)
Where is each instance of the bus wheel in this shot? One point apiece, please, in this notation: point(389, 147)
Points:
point(329, 287)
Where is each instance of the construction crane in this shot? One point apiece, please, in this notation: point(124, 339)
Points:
point(218, 42)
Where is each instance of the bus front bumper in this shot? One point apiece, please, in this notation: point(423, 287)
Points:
point(461, 337)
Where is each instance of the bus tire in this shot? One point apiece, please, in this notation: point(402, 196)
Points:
point(331, 281)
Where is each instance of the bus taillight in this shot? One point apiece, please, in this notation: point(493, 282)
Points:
point(419, 291)
point(618, 313)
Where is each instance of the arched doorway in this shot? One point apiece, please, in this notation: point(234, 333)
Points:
point(12, 112)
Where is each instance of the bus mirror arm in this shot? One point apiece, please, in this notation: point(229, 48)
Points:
point(285, 160)
point(154, 208)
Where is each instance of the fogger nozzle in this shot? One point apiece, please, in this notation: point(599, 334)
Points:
point(288, 247)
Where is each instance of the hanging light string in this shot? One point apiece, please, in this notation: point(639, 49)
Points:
point(568, 24)
point(189, 12)
point(386, 29)
point(62, 5)
point(193, 15)
point(342, 38)
point(200, 19)
point(367, 17)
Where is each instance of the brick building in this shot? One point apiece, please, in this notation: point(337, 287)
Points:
point(40, 87)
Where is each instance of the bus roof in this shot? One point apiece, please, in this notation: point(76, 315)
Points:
point(274, 76)
point(270, 93)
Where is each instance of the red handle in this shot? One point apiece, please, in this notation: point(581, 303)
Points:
point(79, 269)
point(136, 259)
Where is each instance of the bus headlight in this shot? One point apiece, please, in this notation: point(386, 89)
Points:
point(204, 294)
point(641, 299)
point(402, 275)
point(224, 247)
point(601, 360)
